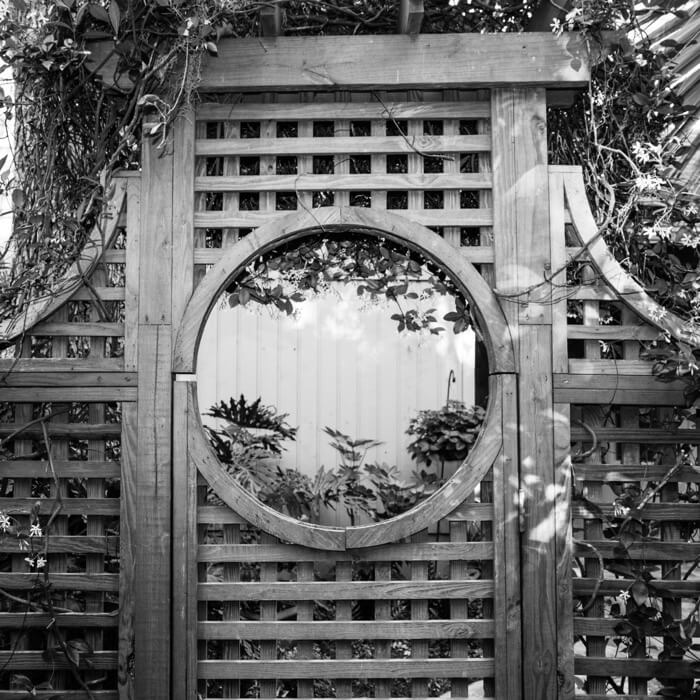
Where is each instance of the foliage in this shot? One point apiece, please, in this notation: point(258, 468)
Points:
point(291, 274)
point(445, 434)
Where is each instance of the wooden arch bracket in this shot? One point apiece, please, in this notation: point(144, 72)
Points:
point(622, 284)
point(100, 239)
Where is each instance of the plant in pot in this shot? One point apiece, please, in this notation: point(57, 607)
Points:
point(444, 436)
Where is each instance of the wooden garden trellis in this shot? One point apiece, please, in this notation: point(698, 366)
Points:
point(448, 95)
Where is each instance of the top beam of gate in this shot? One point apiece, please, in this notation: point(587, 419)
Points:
point(428, 61)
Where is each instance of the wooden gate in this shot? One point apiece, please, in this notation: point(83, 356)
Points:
point(437, 143)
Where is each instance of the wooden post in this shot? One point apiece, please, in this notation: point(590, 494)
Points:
point(410, 16)
point(522, 261)
point(153, 478)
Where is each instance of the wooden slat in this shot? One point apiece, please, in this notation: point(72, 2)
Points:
point(634, 472)
point(676, 512)
point(645, 436)
point(591, 292)
point(649, 551)
point(308, 182)
point(686, 589)
point(382, 629)
point(64, 430)
point(59, 694)
point(615, 381)
point(621, 368)
point(95, 393)
point(62, 581)
point(26, 660)
point(67, 379)
point(361, 62)
point(626, 397)
point(89, 328)
point(609, 333)
point(114, 256)
point(440, 551)
point(351, 669)
point(50, 365)
point(77, 544)
point(271, 20)
point(416, 145)
point(64, 620)
point(247, 111)
point(642, 668)
point(410, 16)
point(429, 217)
point(70, 506)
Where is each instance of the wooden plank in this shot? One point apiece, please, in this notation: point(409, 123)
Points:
point(360, 629)
point(58, 694)
point(585, 586)
point(271, 20)
point(351, 669)
point(591, 292)
point(438, 551)
point(127, 550)
point(387, 109)
point(155, 248)
point(613, 333)
point(77, 544)
point(74, 366)
point(645, 436)
point(626, 397)
point(114, 255)
point(68, 379)
point(91, 328)
point(361, 62)
point(675, 512)
point(62, 430)
point(183, 216)
point(132, 273)
point(86, 394)
point(26, 660)
point(648, 550)
point(417, 145)
point(153, 494)
point(350, 590)
point(429, 217)
point(71, 506)
point(62, 581)
point(634, 472)
point(305, 181)
point(641, 668)
point(410, 17)
point(621, 368)
point(64, 469)
point(32, 620)
point(184, 609)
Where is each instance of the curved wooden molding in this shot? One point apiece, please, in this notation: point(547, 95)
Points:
point(480, 459)
point(621, 282)
point(489, 317)
point(488, 313)
point(100, 239)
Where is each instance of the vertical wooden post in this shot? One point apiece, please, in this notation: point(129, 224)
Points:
point(153, 481)
point(522, 261)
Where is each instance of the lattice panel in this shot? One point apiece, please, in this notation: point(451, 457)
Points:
point(634, 504)
point(60, 500)
point(425, 156)
point(408, 619)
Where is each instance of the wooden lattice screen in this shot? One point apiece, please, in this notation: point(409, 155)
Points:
point(161, 591)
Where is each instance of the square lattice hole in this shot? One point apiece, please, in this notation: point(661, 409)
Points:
point(249, 165)
point(396, 127)
point(286, 165)
point(250, 130)
point(397, 164)
point(323, 129)
point(249, 201)
point(360, 199)
point(285, 201)
point(433, 165)
point(397, 200)
point(323, 165)
point(360, 165)
point(433, 127)
point(360, 128)
point(287, 130)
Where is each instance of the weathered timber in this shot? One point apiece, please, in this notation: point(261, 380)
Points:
point(378, 61)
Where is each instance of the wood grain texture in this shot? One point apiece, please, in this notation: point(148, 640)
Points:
point(86, 394)
point(416, 144)
point(361, 62)
point(384, 629)
point(62, 378)
point(132, 273)
point(410, 16)
point(323, 109)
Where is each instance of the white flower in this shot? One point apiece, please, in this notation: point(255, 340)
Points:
point(454, 3)
point(640, 153)
point(40, 562)
point(35, 530)
point(5, 522)
point(657, 313)
point(556, 26)
point(624, 596)
point(649, 183)
point(640, 60)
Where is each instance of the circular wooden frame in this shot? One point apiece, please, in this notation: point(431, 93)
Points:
point(491, 322)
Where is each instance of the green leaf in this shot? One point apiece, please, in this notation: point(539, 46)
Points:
point(114, 16)
point(99, 13)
